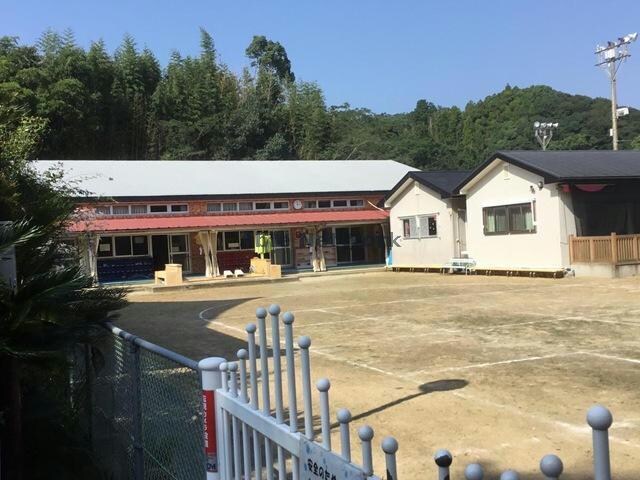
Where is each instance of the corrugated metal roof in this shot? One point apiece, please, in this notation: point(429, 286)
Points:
point(227, 221)
point(155, 178)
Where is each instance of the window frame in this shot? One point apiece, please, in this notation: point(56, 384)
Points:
point(413, 220)
point(507, 209)
point(146, 209)
point(186, 210)
point(429, 216)
point(156, 205)
point(269, 206)
point(106, 207)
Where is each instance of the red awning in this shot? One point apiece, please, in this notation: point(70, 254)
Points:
point(227, 221)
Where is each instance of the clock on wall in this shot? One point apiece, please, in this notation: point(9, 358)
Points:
point(297, 204)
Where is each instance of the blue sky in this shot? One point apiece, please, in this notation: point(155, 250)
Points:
point(382, 55)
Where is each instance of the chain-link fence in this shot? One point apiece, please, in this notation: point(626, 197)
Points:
point(146, 410)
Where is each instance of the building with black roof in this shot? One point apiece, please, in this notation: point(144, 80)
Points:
point(531, 211)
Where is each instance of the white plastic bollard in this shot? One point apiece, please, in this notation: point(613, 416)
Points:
point(211, 381)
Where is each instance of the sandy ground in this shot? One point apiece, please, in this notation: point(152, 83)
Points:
point(497, 370)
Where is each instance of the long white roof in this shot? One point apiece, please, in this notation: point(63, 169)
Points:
point(151, 178)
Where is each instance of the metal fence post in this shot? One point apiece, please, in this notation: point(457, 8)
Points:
point(600, 419)
point(509, 475)
point(474, 471)
point(366, 435)
point(390, 447)
point(551, 467)
point(443, 459)
point(136, 401)
point(211, 381)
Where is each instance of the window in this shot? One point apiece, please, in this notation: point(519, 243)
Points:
point(508, 219)
point(244, 206)
point(138, 209)
point(103, 210)
point(178, 243)
point(247, 240)
point(339, 203)
point(229, 207)
point(122, 246)
point(356, 203)
point(324, 203)
point(105, 247)
point(179, 251)
point(280, 205)
point(428, 226)
point(140, 245)
point(409, 228)
point(231, 240)
point(179, 208)
point(327, 236)
point(214, 207)
point(120, 209)
point(263, 205)
point(311, 204)
point(157, 208)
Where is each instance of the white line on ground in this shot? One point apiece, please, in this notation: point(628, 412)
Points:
point(612, 357)
point(577, 429)
point(491, 364)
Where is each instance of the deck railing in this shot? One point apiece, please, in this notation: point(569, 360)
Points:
point(614, 249)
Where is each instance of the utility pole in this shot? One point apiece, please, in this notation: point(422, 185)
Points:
point(544, 133)
point(610, 57)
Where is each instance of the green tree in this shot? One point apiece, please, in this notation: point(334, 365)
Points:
point(49, 310)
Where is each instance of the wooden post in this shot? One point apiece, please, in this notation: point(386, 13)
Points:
point(592, 250)
point(614, 248)
point(634, 246)
point(571, 253)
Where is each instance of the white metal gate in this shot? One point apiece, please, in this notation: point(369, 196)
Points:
point(257, 439)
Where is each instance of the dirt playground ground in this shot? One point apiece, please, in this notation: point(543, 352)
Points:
point(497, 370)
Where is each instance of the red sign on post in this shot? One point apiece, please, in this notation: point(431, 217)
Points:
point(209, 421)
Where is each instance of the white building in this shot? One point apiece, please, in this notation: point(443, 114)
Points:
point(529, 212)
point(427, 219)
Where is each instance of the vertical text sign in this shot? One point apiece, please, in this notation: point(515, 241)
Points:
point(209, 421)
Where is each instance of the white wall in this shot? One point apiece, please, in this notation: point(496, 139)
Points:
point(419, 200)
point(546, 248)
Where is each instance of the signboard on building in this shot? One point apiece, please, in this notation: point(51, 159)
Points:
point(317, 463)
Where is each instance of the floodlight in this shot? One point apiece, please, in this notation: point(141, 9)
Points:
point(544, 132)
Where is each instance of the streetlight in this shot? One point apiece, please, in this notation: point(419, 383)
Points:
point(610, 57)
point(544, 132)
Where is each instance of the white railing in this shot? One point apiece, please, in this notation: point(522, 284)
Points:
point(258, 440)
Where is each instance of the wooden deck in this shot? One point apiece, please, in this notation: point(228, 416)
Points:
point(498, 271)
